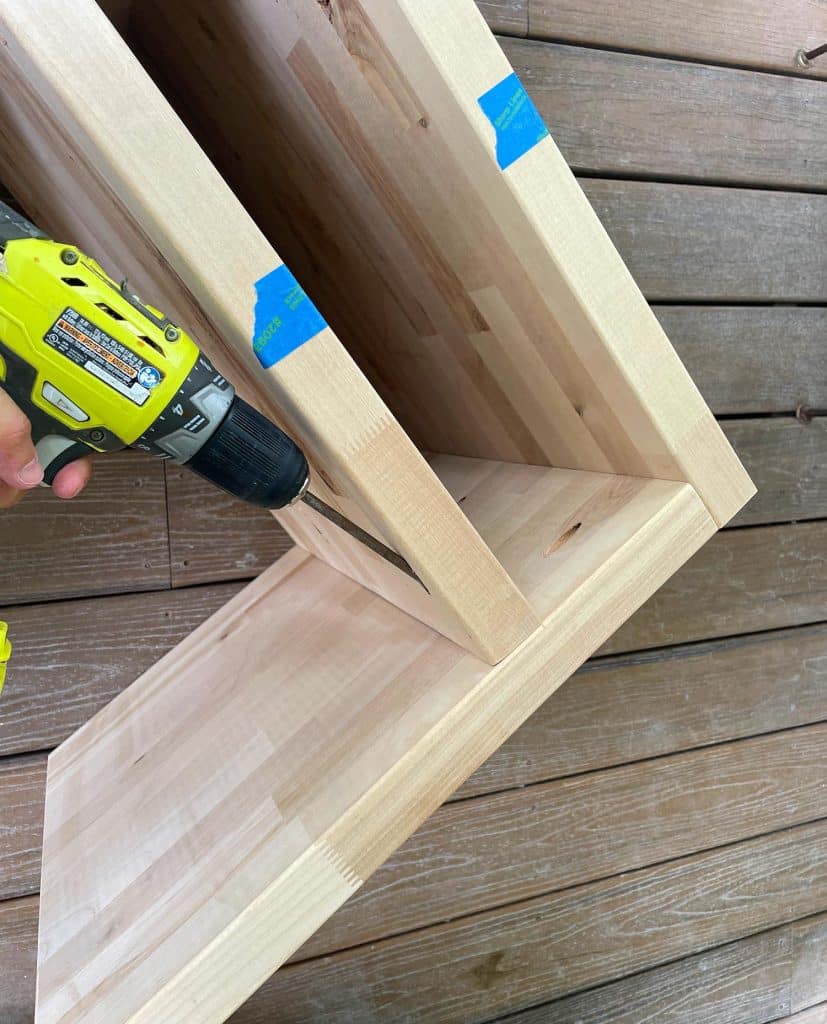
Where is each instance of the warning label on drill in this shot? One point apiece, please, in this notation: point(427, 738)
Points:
point(103, 356)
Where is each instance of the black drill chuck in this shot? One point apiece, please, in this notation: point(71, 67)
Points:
point(249, 456)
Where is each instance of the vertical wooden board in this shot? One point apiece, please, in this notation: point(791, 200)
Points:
point(744, 32)
point(111, 538)
point(138, 175)
point(488, 295)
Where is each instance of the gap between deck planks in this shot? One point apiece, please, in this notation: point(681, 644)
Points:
point(538, 950)
point(490, 851)
point(748, 33)
point(620, 114)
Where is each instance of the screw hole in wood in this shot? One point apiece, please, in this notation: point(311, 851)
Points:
point(561, 540)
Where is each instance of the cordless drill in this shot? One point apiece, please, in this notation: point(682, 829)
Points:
point(95, 368)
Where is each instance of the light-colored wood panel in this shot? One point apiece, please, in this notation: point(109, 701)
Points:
point(747, 32)
point(317, 762)
point(504, 345)
point(751, 359)
point(744, 580)
point(495, 850)
point(620, 114)
point(72, 657)
point(111, 538)
point(485, 965)
point(101, 158)
point(715, 244)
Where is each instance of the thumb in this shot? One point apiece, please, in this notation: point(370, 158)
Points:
point(19, 466)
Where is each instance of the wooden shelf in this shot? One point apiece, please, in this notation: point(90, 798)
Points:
point(203, 825)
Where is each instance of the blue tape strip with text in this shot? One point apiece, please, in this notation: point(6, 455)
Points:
point(284, 317)
point(517, 123)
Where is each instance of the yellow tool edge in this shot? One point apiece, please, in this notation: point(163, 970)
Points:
point(5, 652)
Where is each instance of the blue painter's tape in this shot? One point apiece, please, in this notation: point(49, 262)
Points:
point(515, 119)
point(284, 316)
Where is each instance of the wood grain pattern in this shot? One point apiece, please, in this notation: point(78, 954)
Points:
point(497, 353)
point(22, 793)
point(648, 704)
point(314, 766)
point(503, 960)
point(815, 1015)
point(746, 32)
point(779, 565)
point(137, 190)
point(715, 244)
point(507, 16)
point(788, 461)
point(732, 984)
point(615, 113)
point(109, 539)
point(71, 658)
point(809, 980)
point(18, 951)
point(214, 536)
point(745, 982)
point(476, 854)
point(748, 359)
point(495, 850)
point(742, 581)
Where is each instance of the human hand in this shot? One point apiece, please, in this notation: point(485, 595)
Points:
point(20, 470)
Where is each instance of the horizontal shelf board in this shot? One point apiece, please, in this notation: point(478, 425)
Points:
point(620, 114)
point(778, 564)
point(314, 766)
point(716, 244)
point(552, 528)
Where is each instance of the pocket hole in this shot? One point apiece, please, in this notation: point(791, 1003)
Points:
point(561, 540)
